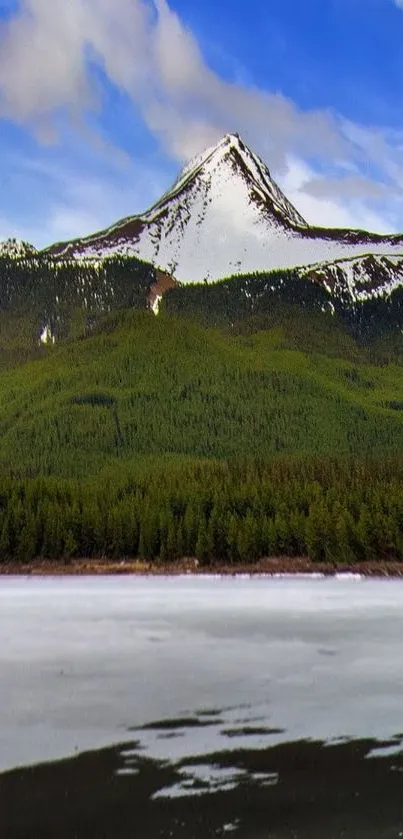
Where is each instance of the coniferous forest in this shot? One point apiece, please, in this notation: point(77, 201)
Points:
point(232, 426)
point(166, 508)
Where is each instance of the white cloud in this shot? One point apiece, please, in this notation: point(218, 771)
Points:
point(46, 53)
point(346, 187)
point(321, 200)
point(146, 51)
point(333, 213)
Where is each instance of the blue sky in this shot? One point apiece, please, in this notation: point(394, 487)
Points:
point(101, 103)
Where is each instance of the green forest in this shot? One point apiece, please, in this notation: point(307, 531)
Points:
point(66, 297)
point(218, 429)
point(166, 508)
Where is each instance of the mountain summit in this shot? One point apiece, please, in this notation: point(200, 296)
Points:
point(232, 166)
point(225, 215)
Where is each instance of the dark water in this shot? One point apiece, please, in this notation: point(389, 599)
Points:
point(301, 789)
point(188, 708)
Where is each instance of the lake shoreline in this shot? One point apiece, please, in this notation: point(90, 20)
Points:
point(189, 566)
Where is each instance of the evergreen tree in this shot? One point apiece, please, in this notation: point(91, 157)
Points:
point(204, 544)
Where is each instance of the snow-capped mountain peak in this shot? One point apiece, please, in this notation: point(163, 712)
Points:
point(231, 151)
point(208, 224)
point(225, 215)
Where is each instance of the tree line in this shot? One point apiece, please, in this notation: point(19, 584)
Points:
point(237, 512)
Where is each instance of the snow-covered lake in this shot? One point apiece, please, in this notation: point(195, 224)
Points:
point(188, 667)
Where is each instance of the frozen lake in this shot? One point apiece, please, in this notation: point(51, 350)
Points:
point(276, 705)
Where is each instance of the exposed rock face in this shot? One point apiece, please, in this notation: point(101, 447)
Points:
point(163, 282)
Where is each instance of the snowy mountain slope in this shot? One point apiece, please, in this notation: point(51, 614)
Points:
point(359, 278)
point(225, 215)
point(16, 249)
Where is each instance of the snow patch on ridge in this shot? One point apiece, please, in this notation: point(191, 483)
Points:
point(362, 278)
point(16, 249)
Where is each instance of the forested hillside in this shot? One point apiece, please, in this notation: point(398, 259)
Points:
point(231, 301)
point(146, 385)
point(48, 285)
point(250, 417)
point(44, 298)
point(161, 436)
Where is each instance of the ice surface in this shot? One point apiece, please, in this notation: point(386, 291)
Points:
point(86, 661)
